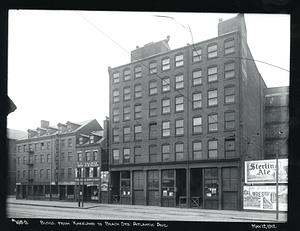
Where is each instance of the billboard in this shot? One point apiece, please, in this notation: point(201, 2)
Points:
point(264, 197)
point(264, 171)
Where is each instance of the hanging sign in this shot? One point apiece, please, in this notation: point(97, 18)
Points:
point(264, 171)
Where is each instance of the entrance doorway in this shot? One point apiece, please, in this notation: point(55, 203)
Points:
point(196, 188)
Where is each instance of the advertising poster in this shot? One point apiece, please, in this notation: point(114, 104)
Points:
point(264, 197)
point(264, 171)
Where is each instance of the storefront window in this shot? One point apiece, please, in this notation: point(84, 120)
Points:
point(168, 183)
point(125, 183)
point(211, 188)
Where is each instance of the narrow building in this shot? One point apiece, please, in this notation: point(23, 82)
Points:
point(183, 121)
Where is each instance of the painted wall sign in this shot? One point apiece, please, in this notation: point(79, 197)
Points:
point(264, 171)
point(264, 197)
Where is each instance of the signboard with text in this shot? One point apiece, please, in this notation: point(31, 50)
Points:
point(264, 171)
point(264, 197)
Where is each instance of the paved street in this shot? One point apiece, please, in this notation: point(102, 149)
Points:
point(91, 211)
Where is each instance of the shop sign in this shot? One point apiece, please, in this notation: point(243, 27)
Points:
point(264, 171)
point(264, 197)
point(87, 164)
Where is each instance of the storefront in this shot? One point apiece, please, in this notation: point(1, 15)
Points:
point(203, 187)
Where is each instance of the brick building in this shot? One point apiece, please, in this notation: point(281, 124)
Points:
point(277, 122)
point(12, 137)
point(47, 159)
point(180, 122)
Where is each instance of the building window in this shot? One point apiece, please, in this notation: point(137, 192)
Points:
point(165, 128)
point(212, 51)
point(116, 156)
point(138, 72)
point(212, 74)
point(24, 160)
point(126, 93)
point(166, 106)
point(153, 153)
point(197, 55)
point(153, 130)
point(62, 143)
point(197, 150)
point(115, 135)
point(48, 158)
point(42, 174)
point(62, 173)
point(213, 123)
point(126, 156)
point(70, 155)
point(165, 150)
point(179, 81)
point(138, 91)
point(70, 143)
point(116, 115)
point(229, 120)
point(42, 146)
point(24, 147)
point(152, 87)
point(48, 174)
point(165, 84)
point(138, 132)
point(30, 147)
point(153, 67)
point(179, 60)
point(229, 94)
point(79, 156)
point(30, 160)
point(42, 158)
point(179, 151)
point(153, 182)
point(35, 174)
point(197, 124)
point(229, 70)
point(92, 139)
point(24, 174)
point(137, 154)
point(80, 140)
point(88, 155)
point(36, 146)
point(166, 64)
point(230, 147)
point(197, 100)
point(62, 156)
point(126, 134)
point(212, 97)
point(116, 95)
point(95, 155)
point(19, 149)
point(178, 103)
point(69, 173)
point(229, 46)
point(179, 127)
point(197, 77)
point(48, 145)
point(36, 159)
point(153, 108)
point(116, 77)
point(126, 74)
point(137, 111)
point(126, 113)
point(212, 149)
point(19, 160)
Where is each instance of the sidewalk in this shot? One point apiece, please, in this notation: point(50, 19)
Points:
point(249, 215)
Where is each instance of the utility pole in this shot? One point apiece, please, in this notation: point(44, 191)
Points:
point(79, 191)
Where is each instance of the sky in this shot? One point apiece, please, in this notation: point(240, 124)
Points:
point(58, 60)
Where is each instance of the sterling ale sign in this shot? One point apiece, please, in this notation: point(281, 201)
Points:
point(264, 171)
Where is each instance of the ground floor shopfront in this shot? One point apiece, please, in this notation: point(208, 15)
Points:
point(65, 192)
point(200, 185)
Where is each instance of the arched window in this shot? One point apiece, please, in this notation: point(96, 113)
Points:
point(165, 150)
point(137, 111)
point(165, 84)
point(116, 77)
point(137, 154)
point(115, 135)
point(126, 155)
point(137, 91)
point(229, 70)
point(126, 74)
point(153, 130)
point(152, 87)
point(166, 129)
point(197, 55)
point(197, 124)
point(229, 94)
point(197, 100)
point(153, 153)
point(138, 132)
point(165, 63)
point(126, 93)
point(212, 73)
point(179, 103)
point(213, 148)
point(116, 95)
point(229, 46)
point(197, 77)
point(212, 96)
point(126, 112)
point(212, 51)
point(229, 120)
point(115, 156)
point(138, 71)
point(197, 150)
point(166, 107)
point(213, 122)
point(116, 114)
point(179, 60)
point(152, 67)
point(179, 127)
point(153, 108)
point(126, 134)
point(179, 84)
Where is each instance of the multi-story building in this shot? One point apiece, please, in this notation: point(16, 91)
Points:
point(181, 121)
point(277, 122)
point(46, 159)
point(12, 137)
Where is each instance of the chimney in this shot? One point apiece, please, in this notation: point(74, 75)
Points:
point(44, 124)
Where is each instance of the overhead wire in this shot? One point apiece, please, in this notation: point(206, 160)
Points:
point(189, 29)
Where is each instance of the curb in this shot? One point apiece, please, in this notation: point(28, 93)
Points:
point(55, 206)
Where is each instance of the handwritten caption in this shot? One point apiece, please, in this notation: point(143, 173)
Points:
point(264, 226)
point(88, 223)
